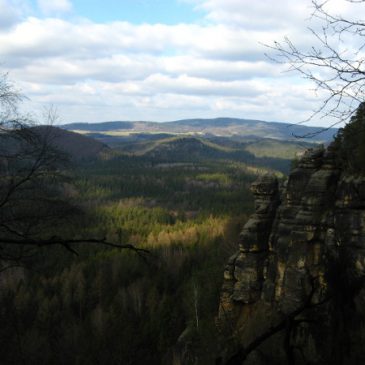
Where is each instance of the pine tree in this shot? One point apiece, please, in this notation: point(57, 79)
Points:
point(350, 143)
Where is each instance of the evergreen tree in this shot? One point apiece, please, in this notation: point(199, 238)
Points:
point(350, 143)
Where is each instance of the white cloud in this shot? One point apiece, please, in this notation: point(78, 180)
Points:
point(35, 38)
point(51, 7)
point(119, 70)
point(247, 14)
point(10, 13)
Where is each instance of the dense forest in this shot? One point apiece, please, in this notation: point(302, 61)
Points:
point(170, 207)
point(109, 305)
point(115, 253)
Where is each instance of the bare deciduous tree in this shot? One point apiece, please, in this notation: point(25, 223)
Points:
point(334, 62)
point(32, 186)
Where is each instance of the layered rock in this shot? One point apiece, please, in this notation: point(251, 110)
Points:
point(294, 291)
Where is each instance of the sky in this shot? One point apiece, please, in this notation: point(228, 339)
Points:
point(157, 60)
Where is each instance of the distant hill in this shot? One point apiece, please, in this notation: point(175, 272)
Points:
point(224, 127)
point(271, 153)
point(77, 146)
point(103, 126)
point(185, 149)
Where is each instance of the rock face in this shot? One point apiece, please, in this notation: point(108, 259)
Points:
point(294, 293)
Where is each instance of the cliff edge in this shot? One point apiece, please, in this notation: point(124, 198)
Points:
point(294, 292)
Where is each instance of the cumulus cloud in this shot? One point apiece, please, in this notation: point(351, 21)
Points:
point(99, 71)
point(55, 37)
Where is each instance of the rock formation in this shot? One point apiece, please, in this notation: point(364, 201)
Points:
point(294, 293)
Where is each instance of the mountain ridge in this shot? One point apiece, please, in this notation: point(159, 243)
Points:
point(222, 126)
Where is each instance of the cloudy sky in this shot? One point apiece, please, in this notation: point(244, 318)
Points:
point(156, 60)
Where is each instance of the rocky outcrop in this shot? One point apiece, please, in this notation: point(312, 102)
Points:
point(295, 290)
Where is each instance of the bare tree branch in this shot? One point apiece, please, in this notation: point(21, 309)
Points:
point(336, 70)
point(32, 177)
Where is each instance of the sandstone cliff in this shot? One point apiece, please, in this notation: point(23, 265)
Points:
point(294, 293)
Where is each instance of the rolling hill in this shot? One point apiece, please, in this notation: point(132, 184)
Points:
point(224, 127)
point(77, 146)
point(260, 152)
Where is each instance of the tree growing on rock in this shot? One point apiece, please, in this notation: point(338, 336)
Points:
point(349, 143)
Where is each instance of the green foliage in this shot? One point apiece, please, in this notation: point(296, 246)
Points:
point(110, 307)
point(350, 143)
point(177, 186)
point(277, 148)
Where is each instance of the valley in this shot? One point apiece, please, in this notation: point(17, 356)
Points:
point(183, 198)
point(182, 182)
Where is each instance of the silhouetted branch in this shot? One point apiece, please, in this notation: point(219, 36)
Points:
point(67, 242)
point(336, 70)
point(32, 195)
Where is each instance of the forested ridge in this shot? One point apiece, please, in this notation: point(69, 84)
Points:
point(180, 200)
point(112, 306)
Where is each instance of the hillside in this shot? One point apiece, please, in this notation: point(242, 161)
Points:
point(77, 146)
point(228, 127)
point(181, 197)
point(270, 153)
point(184, 148)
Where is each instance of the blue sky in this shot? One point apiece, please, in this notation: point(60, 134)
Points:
point(137, 11)
point(157, 59)
point(134, 11)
